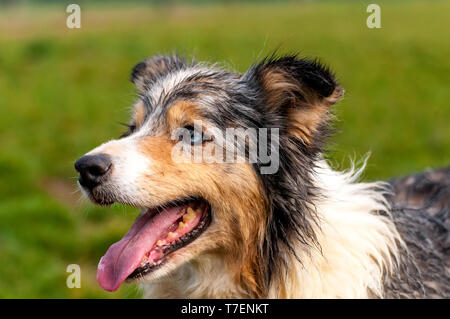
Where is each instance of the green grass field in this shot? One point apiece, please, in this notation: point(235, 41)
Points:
point(64, 91)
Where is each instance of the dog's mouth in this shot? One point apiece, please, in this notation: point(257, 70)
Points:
point(156, 234)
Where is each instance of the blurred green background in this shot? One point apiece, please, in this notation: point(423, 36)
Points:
point(64, 91)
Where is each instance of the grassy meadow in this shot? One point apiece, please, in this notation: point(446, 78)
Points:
point(64, 91)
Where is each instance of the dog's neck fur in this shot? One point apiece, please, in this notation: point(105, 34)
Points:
point(358, 247)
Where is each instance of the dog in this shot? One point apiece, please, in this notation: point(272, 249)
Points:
point(245, 228)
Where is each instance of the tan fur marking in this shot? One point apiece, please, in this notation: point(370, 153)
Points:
point(279, 87)
point(238, 208)
point(304, 121)
point(139, 113)
point(182, 113)
point(304, 116)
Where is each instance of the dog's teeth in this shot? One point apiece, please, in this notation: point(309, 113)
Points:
point(181, 225)
point(171, 235)
point(200, 208)
point(189, 216)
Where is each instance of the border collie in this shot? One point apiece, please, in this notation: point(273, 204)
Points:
point(248, 227)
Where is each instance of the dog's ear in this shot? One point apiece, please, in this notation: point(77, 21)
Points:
point(299, 90)
point(150, 70)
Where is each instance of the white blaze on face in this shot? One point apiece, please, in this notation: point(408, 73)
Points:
point(128, 167)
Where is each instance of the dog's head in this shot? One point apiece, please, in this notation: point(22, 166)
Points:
point(203, 191)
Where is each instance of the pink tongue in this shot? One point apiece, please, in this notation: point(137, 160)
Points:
point(123, 257)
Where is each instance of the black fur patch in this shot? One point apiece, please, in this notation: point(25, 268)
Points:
point(290, 191)
point(149, 70)
point(421, 213)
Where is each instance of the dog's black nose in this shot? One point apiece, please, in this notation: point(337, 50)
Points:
point(93, 169)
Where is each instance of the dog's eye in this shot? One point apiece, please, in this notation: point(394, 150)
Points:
point(197, 137)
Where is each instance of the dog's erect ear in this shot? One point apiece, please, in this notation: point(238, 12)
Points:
point(148, 71)
point(299, 90)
